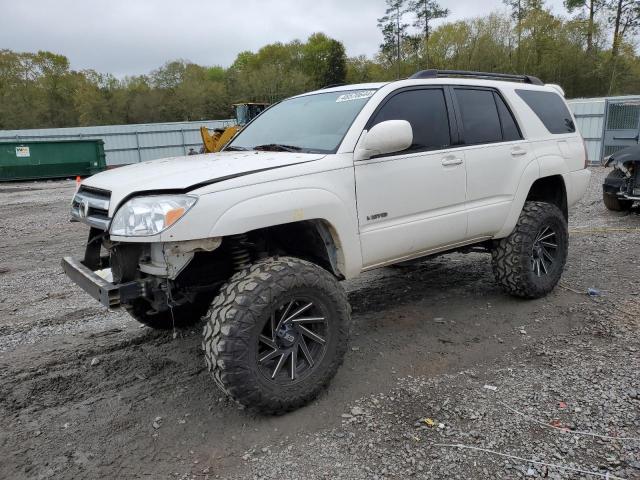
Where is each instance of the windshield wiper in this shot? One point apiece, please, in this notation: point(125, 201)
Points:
point(277, 147)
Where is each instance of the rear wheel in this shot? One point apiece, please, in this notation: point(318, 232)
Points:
point(529, 262)
point(276, 334)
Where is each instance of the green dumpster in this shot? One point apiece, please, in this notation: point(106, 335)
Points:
point(54, 159)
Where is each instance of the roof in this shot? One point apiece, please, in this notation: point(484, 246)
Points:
point(439, 80)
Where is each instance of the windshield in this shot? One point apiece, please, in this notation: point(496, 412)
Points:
point(311, 124)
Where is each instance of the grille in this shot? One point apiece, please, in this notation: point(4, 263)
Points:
point(91, 206)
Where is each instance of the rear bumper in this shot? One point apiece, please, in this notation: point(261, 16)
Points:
point(576, 184)
point(108, 294)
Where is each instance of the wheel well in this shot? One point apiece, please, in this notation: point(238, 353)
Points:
point(313, 240)
point(551, 190)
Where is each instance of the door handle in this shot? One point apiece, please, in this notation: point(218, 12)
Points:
point(518, 152)
point(451, 161)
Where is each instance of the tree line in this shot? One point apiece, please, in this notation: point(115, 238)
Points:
point(589, 49)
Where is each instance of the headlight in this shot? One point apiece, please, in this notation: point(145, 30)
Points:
point(144, 216)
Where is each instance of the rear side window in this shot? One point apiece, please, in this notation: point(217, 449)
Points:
point(426, 111)
point(480, 117)
point(510, 130)
point(550, 109)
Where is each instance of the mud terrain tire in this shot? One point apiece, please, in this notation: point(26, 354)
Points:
point(250, 304)
point(610, 200)
point(515, 259)
point(183, 316)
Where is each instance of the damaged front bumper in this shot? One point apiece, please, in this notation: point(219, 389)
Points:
point(108, 294)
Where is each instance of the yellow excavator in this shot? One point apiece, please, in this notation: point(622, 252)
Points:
point(214, 140)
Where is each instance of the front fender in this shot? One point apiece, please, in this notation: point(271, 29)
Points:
point(294, 206)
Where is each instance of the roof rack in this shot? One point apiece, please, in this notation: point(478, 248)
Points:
point(463, 73)
point(332, 85)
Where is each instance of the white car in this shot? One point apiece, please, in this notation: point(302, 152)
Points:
point(322, 187)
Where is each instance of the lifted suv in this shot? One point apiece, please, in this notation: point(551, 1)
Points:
point(322, 187)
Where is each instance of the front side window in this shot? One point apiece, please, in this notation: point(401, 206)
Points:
point(480, 118)
point(426, 111)
point(310, 124)
point(550, 109)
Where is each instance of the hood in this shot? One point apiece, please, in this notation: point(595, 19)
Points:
point(191, 172)
point(624, 156)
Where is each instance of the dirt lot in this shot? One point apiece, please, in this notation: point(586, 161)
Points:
point(87, 393)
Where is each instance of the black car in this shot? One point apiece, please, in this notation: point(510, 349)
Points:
point(621, 188)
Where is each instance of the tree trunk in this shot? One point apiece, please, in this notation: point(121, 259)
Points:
point(426, 32)
point(615, 48)
point(592, 14)
point(398, 45)
point(519, 27)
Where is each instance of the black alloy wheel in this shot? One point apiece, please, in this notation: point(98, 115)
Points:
point(545, 251)
point(293, 341)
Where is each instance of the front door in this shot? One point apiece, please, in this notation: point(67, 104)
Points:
point(412, 202)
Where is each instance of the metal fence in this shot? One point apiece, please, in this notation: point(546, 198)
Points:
point(589, 114)
point(596, 117)
point(126, 144)
point(137, 143)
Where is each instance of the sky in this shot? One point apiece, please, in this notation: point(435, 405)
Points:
point(130, 37)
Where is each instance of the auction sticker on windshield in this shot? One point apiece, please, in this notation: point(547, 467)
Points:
point(348, 97)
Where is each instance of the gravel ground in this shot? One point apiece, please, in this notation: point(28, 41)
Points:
point(446, 377)
point(558, 408)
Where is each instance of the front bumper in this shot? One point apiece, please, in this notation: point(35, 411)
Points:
point(108, 294)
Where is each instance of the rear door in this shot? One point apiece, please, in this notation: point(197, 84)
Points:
point(411, 202)
point(495, 154)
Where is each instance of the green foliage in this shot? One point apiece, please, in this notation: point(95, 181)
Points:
point(324, 60)
point(531, 39)
point(394, 33)
point(39, 90)
point(590, 53)
point(426, 11)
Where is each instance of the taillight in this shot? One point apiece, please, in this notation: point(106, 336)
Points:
point(586, 153)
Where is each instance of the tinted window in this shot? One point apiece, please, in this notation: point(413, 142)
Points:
point(510, 129)
point(426, 111)
point(311, 123)
point(550, 109)
point(479, 116)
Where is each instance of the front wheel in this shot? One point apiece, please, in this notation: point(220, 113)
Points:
point(529, 262)
point(276, 334)
point(609, 198)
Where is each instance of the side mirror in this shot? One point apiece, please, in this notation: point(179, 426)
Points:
point(385, 137)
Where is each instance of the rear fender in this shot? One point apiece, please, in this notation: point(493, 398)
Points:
point(530, 174)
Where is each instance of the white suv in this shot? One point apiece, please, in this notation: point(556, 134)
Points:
point(322, 187)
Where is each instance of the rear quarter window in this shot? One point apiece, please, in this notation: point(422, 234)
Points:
point(550, 109)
